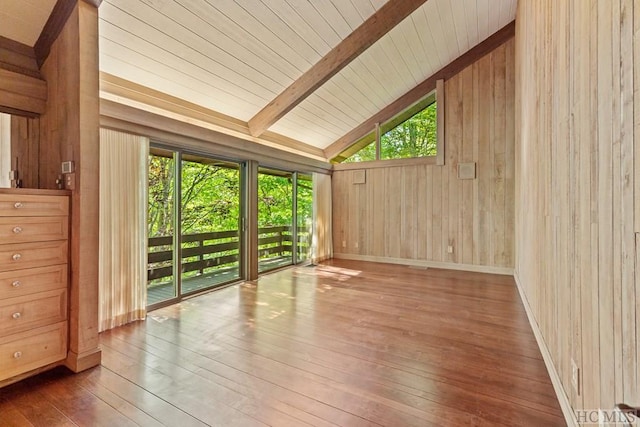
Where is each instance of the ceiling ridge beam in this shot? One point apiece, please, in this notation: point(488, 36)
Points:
point(414, 95)
point(370, 31)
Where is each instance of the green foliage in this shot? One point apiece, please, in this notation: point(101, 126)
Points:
point(210, 198)
point(210, 202)
point(275, 195)
point(366, 154)
point(161, 178)
point(415, 137)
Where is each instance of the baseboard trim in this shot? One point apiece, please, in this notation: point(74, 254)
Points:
point(321, 258)
point(563, 399)
point(433, 264)
point(80, 362)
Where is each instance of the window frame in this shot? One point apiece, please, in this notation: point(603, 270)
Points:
point(374, 136)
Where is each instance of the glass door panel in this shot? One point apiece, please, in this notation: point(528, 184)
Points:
point(304, 216)
point(210, 223)
point(275, 219)
point(161, 280)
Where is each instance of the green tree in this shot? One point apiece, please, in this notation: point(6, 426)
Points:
point(210, 198)
point(415, 137)
point(274, 200)
point(161, 183)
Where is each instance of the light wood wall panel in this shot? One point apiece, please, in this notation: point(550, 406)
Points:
point(414, 212)
point(576, 243)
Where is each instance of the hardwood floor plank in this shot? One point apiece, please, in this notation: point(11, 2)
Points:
point(342, 344)
point(33, 405)
point(140, 398)
point(216, 403)
point(82, 407)
point(11, 416)
point(112, 399)
point(407, 396)
point(287, 343)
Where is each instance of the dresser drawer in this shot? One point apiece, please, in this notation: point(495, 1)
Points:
point(33, 205)
point(32, 349)
point(33, 229)
point(32, 280)
point(31, 311)
point(30, 255)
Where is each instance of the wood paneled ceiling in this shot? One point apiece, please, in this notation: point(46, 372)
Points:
point(236, 56)
point(23, 20)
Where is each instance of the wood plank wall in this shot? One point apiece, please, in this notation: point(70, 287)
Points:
point(576, 251)
point(413, 213)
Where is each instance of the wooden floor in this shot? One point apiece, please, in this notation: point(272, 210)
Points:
point(347, 343)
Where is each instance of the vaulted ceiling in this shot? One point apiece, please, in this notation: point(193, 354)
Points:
point(235, 56)
point(237, 59)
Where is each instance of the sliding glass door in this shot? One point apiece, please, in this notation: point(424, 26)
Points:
point(161, 221)
point(285, 214)
point(195, 228)
point(200, 198)
point(275, 219)
point(209, 223)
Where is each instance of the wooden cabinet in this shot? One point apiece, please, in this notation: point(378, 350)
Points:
point(34, 253)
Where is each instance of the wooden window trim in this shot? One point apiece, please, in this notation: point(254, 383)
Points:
point(374, 164)
point(440, 136)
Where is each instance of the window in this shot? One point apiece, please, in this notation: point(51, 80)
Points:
point(415, 137)
point(413, 133)
point(285, 214)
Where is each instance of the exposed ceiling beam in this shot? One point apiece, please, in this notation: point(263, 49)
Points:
point(422, 89)
point(371, 30)
point(58, 18)
point(144, 98)
point(59, 15)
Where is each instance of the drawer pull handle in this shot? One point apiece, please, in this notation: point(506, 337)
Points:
point(16, 315)
point(16, 257)
point(16, 284)
point(17, 355)
point(17, 205)
point(17, 230)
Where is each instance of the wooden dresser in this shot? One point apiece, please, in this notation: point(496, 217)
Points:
point(34, 252)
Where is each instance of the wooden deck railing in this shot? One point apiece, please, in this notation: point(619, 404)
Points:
point(204, 251)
